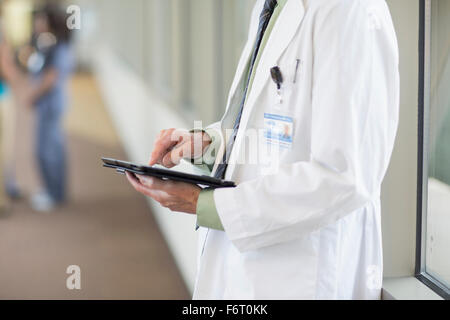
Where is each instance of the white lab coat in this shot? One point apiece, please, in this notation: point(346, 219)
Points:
point(312, 229)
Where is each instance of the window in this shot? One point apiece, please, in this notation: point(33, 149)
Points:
point(211, 35)
point(235, 21)
point(185, 50)
point(160, 53)
point(433, 253)
point(124, 38)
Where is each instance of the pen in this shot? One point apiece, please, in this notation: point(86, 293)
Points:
point(296, 70)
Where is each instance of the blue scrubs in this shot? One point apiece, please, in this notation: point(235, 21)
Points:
point(3, 90)
point(50, 139)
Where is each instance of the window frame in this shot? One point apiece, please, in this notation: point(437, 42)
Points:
point(422, 159)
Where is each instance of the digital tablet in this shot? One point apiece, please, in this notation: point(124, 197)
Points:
point(165, 174)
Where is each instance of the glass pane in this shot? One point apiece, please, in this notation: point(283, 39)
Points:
point(162, 52)
point(438, 215)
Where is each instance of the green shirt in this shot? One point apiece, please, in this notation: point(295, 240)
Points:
point(207, 215)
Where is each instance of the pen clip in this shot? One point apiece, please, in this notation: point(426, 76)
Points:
point(296, 70)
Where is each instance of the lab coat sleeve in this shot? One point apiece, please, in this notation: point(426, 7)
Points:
point(352, 59)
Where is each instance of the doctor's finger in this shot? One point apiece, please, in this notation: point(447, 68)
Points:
point(159, 151)
point(145, 190)
point(162, 144)
point(179, 152)
point(133, 180)
point(169, 140)
point(154, 183)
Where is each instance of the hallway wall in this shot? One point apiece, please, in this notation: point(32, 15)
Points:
point(139, 114)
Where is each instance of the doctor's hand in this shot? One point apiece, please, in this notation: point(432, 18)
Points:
point(176, 196)
point(172, 145)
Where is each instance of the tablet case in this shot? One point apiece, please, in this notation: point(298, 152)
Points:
point(166, 174)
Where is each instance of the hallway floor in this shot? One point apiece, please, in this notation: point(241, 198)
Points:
point(106, 228)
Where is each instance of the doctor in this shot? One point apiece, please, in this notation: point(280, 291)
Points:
point(319, 79)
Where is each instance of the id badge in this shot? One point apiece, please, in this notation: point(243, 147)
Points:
point(278, 130)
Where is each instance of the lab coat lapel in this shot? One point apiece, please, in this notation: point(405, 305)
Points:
point(282, 34)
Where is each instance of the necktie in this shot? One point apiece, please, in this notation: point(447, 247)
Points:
point(266, 14)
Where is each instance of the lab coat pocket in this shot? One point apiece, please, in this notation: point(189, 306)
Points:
point(283, 100)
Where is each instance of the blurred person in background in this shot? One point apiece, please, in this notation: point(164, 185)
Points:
point(50, 66)
point(9, 78)
point(3, 94)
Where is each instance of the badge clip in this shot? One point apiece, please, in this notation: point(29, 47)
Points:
point(277, 77)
